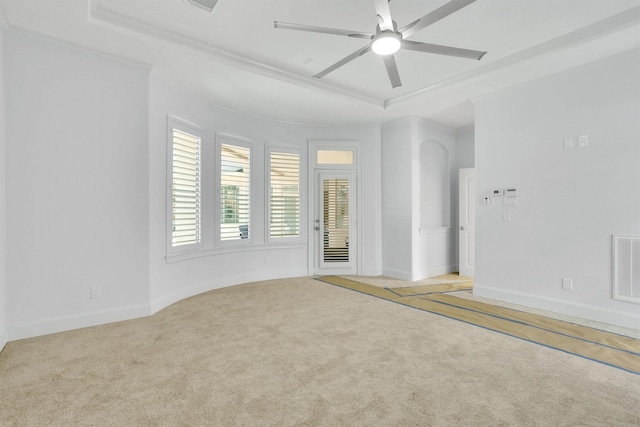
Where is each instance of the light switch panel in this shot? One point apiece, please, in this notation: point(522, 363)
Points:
point(583, 141)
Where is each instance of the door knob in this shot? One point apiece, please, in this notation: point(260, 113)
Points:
point(462, 227)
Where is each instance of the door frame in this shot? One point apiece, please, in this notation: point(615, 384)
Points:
point(465, 201)
point(320, 264)
point(315, 195)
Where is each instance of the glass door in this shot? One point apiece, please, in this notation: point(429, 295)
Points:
point(334, 223)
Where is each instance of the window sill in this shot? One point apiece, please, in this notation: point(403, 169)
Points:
point(200, 253)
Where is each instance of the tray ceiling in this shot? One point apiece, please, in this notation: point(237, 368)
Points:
point(235, 58)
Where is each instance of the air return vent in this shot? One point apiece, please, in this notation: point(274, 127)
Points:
point(626, 268)
point(204, 4)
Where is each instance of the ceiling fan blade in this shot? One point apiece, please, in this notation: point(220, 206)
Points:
point(441, 12)
point(442, 50)
point(392, 70)
point(343, 61)
point(312, 29)
point(384, 14)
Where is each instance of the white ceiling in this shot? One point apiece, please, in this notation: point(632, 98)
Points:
point(235, 58)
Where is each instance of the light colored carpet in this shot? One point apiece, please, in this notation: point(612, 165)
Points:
point(612, 349)
point(299, 352)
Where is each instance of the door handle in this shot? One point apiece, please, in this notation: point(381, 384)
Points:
point(462, 227)
point(316, 228)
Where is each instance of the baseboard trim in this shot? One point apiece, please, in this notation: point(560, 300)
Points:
point(438, 271)
point(396, 274)
point(581, 311)
point(4, 339)
point(78, 321)
point(85, 320)
point(166, 300)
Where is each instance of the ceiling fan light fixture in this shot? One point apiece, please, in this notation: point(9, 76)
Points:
point(386, 43)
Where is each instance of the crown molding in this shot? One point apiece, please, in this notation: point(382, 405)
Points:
point(101, 14)
point(581, 36)
point(4, 24)
point(65, 44)
point(163, 79)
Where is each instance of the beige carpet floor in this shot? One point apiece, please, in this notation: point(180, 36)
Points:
point(615, 350)
point(299, 352)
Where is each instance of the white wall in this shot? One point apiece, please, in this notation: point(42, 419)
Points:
point(571, 200)
point(77, 187)
point(414, 247)
point(465, 147)
point(397, 198)
point(86, 191)
point(173, 281)
point(3, 205)
point(434, 247)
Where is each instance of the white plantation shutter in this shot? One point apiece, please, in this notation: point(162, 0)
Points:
point(235, 191)
point(185, 189)
point(336, 220)
point(284, 194)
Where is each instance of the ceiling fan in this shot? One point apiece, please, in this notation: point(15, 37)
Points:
point(387, 39)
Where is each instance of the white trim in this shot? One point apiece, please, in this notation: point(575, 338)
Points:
point(76, 321)
point(583, 35)
point(4, 339)
point(4, 26)
point(616, 296)
point(231, 249)
point(65, 44)
point(199, 95)
point(338, 145)
point(583, 311)
point(67, 323)
point(312, 148)
point(223, 138)
point(435, 230)
point(397, 274)
point(269, 148)
point(100, 14)
point(184, 126)
point(199, 288)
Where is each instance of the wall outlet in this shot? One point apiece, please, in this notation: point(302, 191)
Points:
point(567, 284)
point(95, 292)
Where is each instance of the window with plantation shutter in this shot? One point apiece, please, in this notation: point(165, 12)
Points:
point(235, 190)
point(184, 186)
point(284, 194)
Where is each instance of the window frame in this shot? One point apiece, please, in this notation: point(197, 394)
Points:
point(301, 188)
point(226, 139)
point(193, 130)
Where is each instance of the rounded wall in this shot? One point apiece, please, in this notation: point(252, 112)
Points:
point(260, 260)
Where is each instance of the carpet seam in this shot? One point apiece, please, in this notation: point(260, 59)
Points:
point(520, 322)
point(323, 280)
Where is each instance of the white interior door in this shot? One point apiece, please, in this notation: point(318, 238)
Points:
point(467, 216)
point(335, 223)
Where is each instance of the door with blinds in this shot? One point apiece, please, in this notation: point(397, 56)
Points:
point(334, 223)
